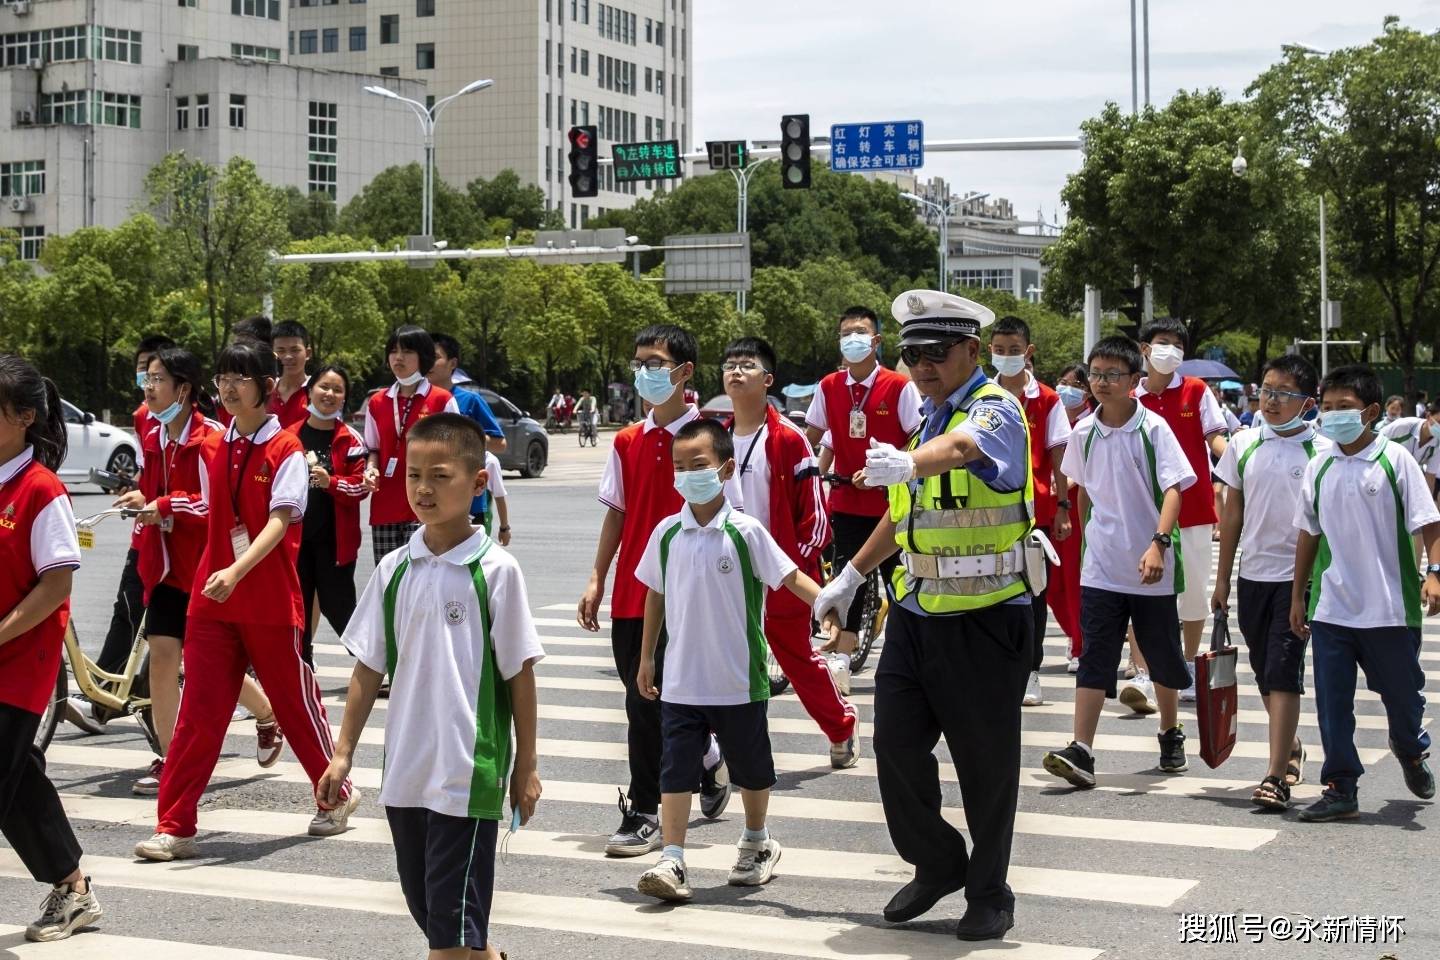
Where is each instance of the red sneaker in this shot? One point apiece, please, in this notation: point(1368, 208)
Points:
point(269, 741)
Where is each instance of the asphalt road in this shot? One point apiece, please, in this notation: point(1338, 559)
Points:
point(1109, 872)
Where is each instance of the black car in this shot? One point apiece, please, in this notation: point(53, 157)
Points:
point(527, 444)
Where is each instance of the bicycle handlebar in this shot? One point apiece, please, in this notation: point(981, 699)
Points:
point(836, 478)
point(85, 523)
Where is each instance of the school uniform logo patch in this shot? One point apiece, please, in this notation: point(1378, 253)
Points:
point(7, 518)
point(455, 613)
point(725, 565)
point(987, 419)
point(1372, 487)
point(882, 410)
point(1296, 472)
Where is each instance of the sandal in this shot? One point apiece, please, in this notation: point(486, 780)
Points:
point(1272, 794)
point(1295, 769)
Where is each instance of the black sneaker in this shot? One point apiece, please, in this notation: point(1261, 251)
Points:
point(715, 790)
point(637, 836)
point(1172, 750)
point(1332, 805)
point(1418, 777)
point(1073, 765)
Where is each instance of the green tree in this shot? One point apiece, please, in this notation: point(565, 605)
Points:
point(308, 216)
point(549, 313)
point(432, 298)
point(220, 226)
point(629, 305)
point(16, 295)
point(1059, 340)
point(714, 321)
point(338, 303)
point(507, 203)
point(1366, 121)
point(1156, 192)
point(389, 209)
point(482, 309)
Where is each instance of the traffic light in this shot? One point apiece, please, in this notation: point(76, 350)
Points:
point(1133, 309)
point(795, 151)
point(584, 161)
point(726, 154)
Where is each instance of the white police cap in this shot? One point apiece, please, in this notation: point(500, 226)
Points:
point(929, 316)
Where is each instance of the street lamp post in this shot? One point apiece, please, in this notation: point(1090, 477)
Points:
point(742, 209)
point(428, 117)
point(943, 212)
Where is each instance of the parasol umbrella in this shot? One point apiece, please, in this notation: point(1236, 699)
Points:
point(1207, 370)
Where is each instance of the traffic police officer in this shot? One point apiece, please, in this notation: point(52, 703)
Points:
point(957, 643)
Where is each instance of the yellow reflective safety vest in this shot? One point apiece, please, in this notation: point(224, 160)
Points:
point(956, 515)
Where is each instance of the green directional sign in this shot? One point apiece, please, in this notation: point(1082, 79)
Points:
point(653, 160)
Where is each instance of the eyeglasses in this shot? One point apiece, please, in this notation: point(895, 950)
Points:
point(933, 352)
point(653, 364)
point(1269, 393)
point(1108, 376)
point(742, 366)
point(152, 380)
point(231, 383)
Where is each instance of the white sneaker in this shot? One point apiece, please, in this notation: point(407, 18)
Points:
point(1188, 694)
point(329, 823)
point(1073, 666)
point(165, 847)
point(1131, 671)
point(240, 713)
point(81, 712)
point(63, 912)
point(755, 864)
point(1033, 696)
point(666, 881)
point(840, 673)
point(846, 753)
point(149, 785)
point(1139, 694)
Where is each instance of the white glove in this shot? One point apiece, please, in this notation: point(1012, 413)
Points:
point(839, 593)
point(886, 465)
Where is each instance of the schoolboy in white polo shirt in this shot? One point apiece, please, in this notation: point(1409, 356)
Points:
point(447, 617)
point(1131, 470)
point(1262, 466)
point(707, 569)
point(1359, 506)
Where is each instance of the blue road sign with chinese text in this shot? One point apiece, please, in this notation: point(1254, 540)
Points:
point(888, 145)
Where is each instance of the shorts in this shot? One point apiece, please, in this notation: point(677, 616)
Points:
point(447, 873)
point(1276, 655)
point(1104, 615)
point(389, 537)
point(165, 614)
point(1197, 553)
point(744, 736)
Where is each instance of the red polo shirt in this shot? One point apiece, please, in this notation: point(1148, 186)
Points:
point(1183, 405)
point(291, 411)
point(885, 401)
point(388, 419)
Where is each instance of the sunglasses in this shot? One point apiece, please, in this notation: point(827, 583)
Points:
point(933, 352)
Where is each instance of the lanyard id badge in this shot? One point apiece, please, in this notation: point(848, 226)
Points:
point(390, 466)
point(239, 540)
point(857, 424)
point(239, 536)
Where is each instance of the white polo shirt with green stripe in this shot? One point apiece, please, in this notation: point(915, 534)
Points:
point(1125, 472)
point(1266, 468)
point(1365, 509)
point(450, 630)
point(714, 579)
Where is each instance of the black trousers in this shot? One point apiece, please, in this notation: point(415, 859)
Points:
point(31, 817)
point(964, 677)
point(335, 585)
point(125, 618)
point(642, 716)
point(850, 533)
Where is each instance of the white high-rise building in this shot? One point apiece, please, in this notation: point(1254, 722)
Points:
point(94, 93)
point(623, 66)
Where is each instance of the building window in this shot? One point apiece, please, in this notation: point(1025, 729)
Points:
point(261, 9)
point(324, 143)
point(330, 40)
point(389, 71)
point(660, 82)
point(18, 49)
point(67, 43)
point(244, 51)
point(192, 4)
point(424, 8)
point(31, 240)
point(660, 33)
point(390, 28)
point(584, 63)
point(237, 111)
point(118, 109)
point(308, 40)
point(424, 56)
point(202, 111)
point(986, 279)
point(66, 107)
point(187, 51)
point(357, 38)
point(182, 113)
point(584, 11)
point(122, 46)
point(23, 178)
point(585, 113)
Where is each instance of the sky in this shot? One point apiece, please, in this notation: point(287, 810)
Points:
point(1019, 68)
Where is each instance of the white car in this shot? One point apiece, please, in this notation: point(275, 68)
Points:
point(95, 445)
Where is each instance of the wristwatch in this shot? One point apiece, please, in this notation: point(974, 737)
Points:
point(1162, 539)
point(504, 529)
point(1063, 504)
point(1432, 568)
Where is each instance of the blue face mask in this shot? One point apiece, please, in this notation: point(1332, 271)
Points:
point(1294, 423)
point(168, 414)
point(654, 386)
point(1070, 396)
point(310, 407)
point(699, 486)
point(1342, 426)
point(140, 379)
point(855, 347)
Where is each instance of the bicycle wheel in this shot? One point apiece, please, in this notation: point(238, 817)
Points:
point(870, 621)
point(778, 681)
point(55, 709)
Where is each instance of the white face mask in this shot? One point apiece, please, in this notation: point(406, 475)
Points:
point(1165, 358)
point(1007, 366)
point(411, 380)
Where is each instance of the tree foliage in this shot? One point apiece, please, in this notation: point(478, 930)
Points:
point(389, 208)
point(339, 304)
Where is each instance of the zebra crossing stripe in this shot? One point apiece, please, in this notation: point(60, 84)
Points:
point(96, 945)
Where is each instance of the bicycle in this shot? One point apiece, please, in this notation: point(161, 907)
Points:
point(587, 429)
point(117, 694)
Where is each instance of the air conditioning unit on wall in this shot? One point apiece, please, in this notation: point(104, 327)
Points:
point(21, 204)
point(21, 7)
point(24, 118)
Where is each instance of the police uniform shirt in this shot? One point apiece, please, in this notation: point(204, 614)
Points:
point(997, 425)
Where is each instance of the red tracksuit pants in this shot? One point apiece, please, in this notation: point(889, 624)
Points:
point(216, 657)
point(789, 638)
point(1063, 594)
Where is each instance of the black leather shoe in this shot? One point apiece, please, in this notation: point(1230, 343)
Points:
point(915, 898)
point(982, 922)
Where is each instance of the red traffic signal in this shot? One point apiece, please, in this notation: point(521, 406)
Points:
point(584, 159)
